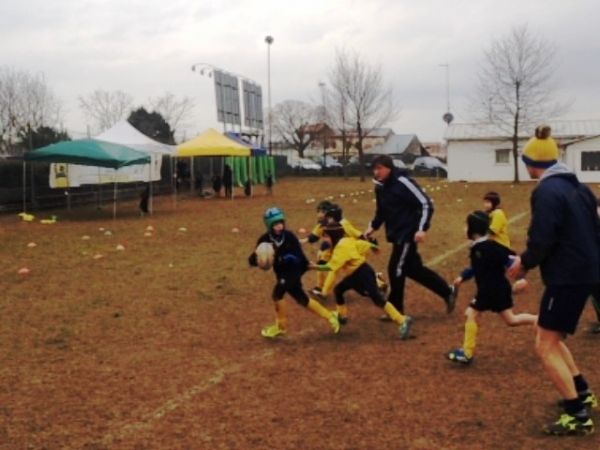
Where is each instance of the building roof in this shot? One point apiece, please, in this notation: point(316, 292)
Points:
point(374, 133)
point(562, 129)
point(395, 145)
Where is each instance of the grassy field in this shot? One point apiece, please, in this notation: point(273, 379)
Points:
point(158, 346)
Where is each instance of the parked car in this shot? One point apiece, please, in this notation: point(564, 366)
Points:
point(429, 166)
point(330, 162)
point(304, 164)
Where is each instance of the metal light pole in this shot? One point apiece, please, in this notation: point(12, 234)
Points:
point(448, 117)
point(269, 40)
point(324, 118)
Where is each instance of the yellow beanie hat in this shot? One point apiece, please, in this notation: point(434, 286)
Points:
point(541, 151)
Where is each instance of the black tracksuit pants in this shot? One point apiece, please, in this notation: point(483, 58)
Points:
point(406, 262)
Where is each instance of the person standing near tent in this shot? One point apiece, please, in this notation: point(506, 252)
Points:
point(144, 197)
point(406, 212)
point(269, 183)
point(228, 181)
point(216, 185)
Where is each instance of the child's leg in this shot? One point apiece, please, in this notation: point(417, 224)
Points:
point(281, 314)
point(471, 330)
point(596, 301)
point(280, 326)
point(340, 301)
point(365, 282)
point(296, 291)
point(514, 320)
point(323, 257)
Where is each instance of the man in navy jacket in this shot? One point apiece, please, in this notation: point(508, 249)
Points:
point(406, 212)
point(563, 242)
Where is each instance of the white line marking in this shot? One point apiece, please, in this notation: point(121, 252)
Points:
point(438, 259)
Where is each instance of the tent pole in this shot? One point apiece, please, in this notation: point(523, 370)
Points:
point(115, 196)
point(151, 209)
point(24, 186)
point(192, 176)
point(174, 176)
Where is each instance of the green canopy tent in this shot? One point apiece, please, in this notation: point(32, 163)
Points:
point(88, 152)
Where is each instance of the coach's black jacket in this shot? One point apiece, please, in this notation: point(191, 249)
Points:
point(563, 237)
point(290, 261)
point(402, 206)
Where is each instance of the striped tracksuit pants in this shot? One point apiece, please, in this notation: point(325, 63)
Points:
point(405, 261)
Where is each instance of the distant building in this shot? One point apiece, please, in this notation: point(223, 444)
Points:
point(436, 149)
point(483, 152)
point(406, 147)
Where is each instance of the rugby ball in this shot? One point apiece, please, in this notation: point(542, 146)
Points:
point(265, 255)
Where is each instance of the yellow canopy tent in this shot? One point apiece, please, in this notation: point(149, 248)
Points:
point(211, 143)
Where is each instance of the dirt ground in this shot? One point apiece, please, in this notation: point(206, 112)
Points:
point(159, 347)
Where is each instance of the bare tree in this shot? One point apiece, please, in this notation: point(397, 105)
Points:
point(363, 100)
point(515, 85)
point(174, 110)
point(290, 121)
point(105, 108)
point(26, 103)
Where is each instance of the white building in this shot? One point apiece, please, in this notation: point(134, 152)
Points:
point(483, 152)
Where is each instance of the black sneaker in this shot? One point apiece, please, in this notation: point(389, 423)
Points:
point(568, 425)
point(589, 400)
point(451, 299)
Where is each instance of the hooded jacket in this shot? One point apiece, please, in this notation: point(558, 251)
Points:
point(402, 206)
point(563, 237)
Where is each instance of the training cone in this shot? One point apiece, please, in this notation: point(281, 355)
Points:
point(302, 230)
point(32, 245)
point(85, 237)
point(183, 229)
point(149, 228)
point(147, 234)
point(235, 230)
point(98, 256)
point(23, 271)
point(108, 233)
point(120, 247)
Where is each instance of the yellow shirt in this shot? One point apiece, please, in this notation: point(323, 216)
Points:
point(348, 255)
point(349, 229)
point(499, 227)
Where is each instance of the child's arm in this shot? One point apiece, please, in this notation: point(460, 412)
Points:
point(252, 258)
point(466, 275)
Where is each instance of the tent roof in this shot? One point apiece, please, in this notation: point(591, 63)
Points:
point(212, 143)
point(257, 150)
point(89, 152)
point(126, 134)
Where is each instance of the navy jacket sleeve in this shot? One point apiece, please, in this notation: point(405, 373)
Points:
point(377, 220)
point(421, 199)
point(546, 220)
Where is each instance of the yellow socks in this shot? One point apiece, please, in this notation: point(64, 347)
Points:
point(319, 309)
point(281, 312)
point(394, 314)
point(342, 310)
point(471, 329)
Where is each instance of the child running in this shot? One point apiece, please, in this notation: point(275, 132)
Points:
point(317, 234)
point(489, 261)
point(498, 220)
point(289, 265)
point(349, 257)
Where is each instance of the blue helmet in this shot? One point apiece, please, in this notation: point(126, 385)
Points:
point(272, 216)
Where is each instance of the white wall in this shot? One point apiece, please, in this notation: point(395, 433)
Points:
point(573, 159)
point(476, 161)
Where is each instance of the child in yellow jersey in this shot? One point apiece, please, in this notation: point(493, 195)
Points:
point(349, 257)
point(317, 234)
point(498, 220)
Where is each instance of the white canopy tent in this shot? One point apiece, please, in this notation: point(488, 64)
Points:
point(126, 134)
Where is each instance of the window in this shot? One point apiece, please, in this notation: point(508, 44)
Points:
point(503, 156)
point(590, 161)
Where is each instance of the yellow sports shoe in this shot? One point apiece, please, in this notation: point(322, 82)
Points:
point(334, 321)
point(272, 331)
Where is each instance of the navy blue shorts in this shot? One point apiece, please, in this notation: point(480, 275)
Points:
point(561, 307)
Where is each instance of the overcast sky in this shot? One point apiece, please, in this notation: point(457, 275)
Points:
point(147, 47)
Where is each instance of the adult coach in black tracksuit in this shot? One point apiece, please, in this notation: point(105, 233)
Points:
point(406, 212)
